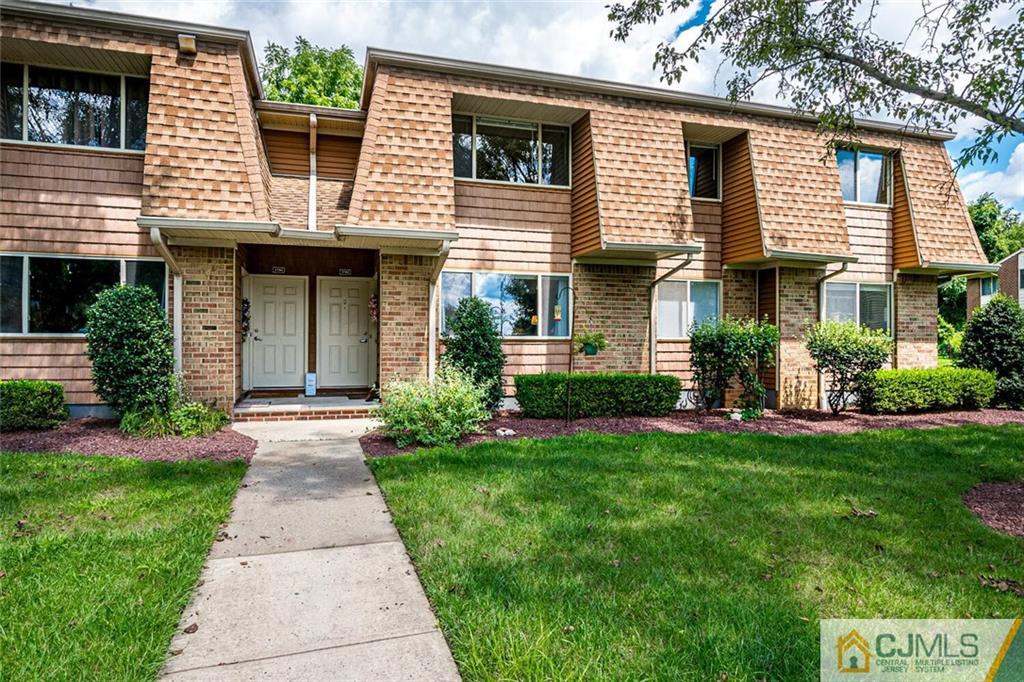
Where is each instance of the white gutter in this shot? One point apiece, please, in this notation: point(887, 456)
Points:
point(385, 231)
point(432, 316)
point(652, 312)
point(176, 323)
point(819, 257)
point(312, 173)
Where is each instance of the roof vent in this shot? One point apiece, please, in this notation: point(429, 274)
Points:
point(187, 43)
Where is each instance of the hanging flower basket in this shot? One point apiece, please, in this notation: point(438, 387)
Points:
point(589, 343)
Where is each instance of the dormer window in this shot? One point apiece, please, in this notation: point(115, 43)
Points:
point(866, 176)
point(82, 109)
point(704, 168)
point(507, 150)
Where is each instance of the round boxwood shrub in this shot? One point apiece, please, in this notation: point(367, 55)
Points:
point(131, 347)
point(472, 343)
point(994, 341)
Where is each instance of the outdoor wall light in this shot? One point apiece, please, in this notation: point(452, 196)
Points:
point(187, 43)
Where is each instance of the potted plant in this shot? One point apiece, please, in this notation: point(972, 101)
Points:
point(589, 343)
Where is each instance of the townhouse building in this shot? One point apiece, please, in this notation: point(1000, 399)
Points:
point(290, 240)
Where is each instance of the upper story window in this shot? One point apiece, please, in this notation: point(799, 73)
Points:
point(989, 288)
point(870, 305)
point(57, 106)
point(704, 168)
point(683, 305)
point(504, 150)
point(866, 176)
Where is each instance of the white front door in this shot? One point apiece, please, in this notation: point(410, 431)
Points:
point(278, 331)
point(344, 341)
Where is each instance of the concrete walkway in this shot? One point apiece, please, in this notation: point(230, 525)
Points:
point(312, 580)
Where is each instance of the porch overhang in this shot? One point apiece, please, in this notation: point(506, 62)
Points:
point(206, 232)
point(399, 240)
point(796, 259)
point(636, 253)
point(952, 269)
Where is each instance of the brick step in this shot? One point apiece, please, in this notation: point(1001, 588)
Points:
point(292, 414)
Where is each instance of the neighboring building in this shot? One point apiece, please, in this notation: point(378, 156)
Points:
point(141, 150)
point(1008, 280)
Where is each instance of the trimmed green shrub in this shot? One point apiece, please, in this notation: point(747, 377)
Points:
point(472, 343)
point(31, 404)
point(994, 341)
point(599, 394)
point(418, 412)
point(847, 354)
point(726, 350)
point(911, 390)
point(131, 347)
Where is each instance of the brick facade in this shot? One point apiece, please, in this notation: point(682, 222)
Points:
point(210, 341)
point(614, 300)
point(916, 301)
point(404, 285)
point(798, 307)
point(973, 295)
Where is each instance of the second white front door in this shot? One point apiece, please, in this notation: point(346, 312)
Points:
point(278, 331)
point(344, 341)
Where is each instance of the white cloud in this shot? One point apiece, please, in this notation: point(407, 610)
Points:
point(1007, 185)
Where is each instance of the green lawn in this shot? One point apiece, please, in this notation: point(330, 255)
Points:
point(696, 556)
point(98, 556)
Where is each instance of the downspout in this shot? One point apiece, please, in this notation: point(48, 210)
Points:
point(652, 302)
point(165, 253)
point(821, 317)
point(312, 173)
point(446, 247)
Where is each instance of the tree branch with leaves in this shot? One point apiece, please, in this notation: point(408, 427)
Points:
point(831, 59)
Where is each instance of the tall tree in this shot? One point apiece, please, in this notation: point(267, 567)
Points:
point(956, 59)
point(310, 74)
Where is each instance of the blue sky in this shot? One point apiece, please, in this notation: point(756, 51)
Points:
point(566, 37)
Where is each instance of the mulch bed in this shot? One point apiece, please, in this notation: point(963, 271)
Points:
point(782, 423)
point(102, 437)
point(999, 504)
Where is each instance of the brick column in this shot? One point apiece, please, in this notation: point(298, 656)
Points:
point(973, 295)
point(614, 300)
point(209, 336)
point(916, 321)
point(404, 284)
point(798, 307)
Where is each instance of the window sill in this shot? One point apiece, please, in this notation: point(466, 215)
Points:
point(37, 336)
point(674, 339)
point(506, 183)
point(534, 338)
point(710, 200)
point(71, 147)
point(867, 204)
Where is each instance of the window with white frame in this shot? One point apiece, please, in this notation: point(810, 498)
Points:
point(989, 288)
point(524, 305)
point(49, 294)
point(704, 165)
point(865, 176)
point(684, 304)
point(869, 305)
point(506, 150)
point(84, 109)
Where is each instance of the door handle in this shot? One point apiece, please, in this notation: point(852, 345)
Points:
point(365, 338)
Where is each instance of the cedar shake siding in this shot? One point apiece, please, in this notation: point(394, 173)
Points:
point(214, 152)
